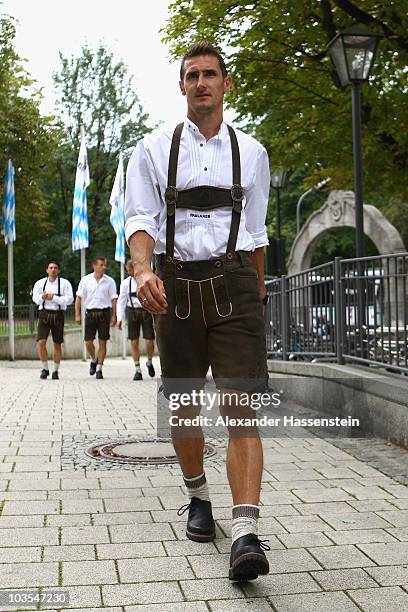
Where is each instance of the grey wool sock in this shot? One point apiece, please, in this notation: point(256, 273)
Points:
point(244, 520)
point(197, 487)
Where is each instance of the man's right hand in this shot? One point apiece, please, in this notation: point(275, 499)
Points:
point(118, 325)
point(151, 293)
point(78, 318)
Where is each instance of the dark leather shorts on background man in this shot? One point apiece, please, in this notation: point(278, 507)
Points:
point(97, 320)
point(136, 318)
point(51, 321)
point(214, 318)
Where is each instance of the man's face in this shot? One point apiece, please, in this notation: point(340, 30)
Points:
point(99, 267)
point(129, 268)
point(52, 271)
point(203, 84)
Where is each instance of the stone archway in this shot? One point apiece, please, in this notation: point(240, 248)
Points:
point(339, 211)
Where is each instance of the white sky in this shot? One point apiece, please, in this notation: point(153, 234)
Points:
point(129, 28)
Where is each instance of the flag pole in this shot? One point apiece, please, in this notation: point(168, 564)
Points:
point(11, 300)
point(8, 221)
point(123, 331)
point(83, 272)
point(80, 231)
point(117, 221)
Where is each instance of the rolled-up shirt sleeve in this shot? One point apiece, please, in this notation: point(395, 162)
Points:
point(257, 201)
point(122, 300)
point(67, 296)
point(142, 202)
point(81, 291)
point(112, 290)
point(37, 293)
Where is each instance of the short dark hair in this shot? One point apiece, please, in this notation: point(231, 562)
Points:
point(98, 258)
point(55, 264)
point(203, 47)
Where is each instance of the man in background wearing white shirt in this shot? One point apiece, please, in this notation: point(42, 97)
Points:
point(52, 295)
point(197, 197)
point(98, 291)
point(137, 317)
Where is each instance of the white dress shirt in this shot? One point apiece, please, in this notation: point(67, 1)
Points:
point(200, 162)
point(44, 285)
point(97, 294)
point(124, 299)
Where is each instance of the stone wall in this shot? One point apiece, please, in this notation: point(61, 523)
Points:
point(26, 347)
point(376, 398)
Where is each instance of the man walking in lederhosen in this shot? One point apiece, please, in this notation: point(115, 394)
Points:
point(98, 291)
point(52, 295)
point(137, 317)
point(197, 197)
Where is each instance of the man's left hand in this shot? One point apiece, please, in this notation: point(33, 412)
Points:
point(113, 321)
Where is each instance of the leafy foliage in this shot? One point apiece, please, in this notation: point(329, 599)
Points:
point(95, 91)
point(287, 92)
point(30, 141)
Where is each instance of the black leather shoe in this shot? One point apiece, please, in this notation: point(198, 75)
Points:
point(248, 559)
point(138, 376)
point(151, 370)
point(92, 367)
point(44, 373)
point(55, 375)
point(200, 523)
point(99, 375)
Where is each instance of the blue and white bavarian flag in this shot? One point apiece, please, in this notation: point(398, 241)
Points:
point(117, 216)
point(8, 218)
point(80, 234)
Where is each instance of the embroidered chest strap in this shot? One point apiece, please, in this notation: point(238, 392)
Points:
point(204, 197)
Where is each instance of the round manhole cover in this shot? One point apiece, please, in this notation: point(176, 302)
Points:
point(147, 452)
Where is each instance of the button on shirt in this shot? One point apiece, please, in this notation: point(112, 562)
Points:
point(198, 234)
point(97, 294)
point(124, 298)
point(65, 299)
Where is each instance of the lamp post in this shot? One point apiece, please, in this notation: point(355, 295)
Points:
point(353, 53)
point(317, 187)
point(278, 177)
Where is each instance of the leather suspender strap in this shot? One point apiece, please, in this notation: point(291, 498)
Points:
point(237, 194)
point(45, 284)
point(170, 194)
point(130, 291)
point(59, 291)
point(206, 197)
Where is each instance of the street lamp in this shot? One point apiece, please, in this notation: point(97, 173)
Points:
point(317, 187)
point(278, 178)
point(353, 53)
point(276, 244)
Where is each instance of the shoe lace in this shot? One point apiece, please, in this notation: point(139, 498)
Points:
point(183, 509)
point(262, 544)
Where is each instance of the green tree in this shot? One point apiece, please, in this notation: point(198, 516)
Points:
point(287, 92)
point(96, 91)
point(29, 140)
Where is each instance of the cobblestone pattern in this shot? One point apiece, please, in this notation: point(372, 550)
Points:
point(337, 525)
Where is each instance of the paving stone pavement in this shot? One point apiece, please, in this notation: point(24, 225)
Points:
point(109, 534)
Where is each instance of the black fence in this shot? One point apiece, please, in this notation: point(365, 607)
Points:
point(26, 318)
point(348, 310)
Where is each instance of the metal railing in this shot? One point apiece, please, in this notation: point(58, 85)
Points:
point(26, 319)
point(348, 309)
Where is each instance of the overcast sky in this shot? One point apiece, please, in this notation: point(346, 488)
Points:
point(130, 29)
